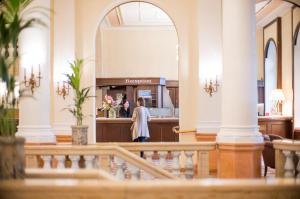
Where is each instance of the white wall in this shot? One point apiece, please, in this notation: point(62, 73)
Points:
point(137, 52)
point(35, 123)
point(63, 53)
point(287, 63)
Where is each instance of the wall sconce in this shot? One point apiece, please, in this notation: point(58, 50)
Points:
point(34, 81)
point(63, 90)
point(211, 87)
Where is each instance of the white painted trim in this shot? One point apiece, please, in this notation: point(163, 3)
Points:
point(36, 134)
point(209, 127)
point(239, 134)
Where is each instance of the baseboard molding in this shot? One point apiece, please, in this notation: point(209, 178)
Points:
point(63, 138)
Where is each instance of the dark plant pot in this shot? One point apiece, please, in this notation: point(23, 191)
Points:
point(12, 160)
point(79, 135)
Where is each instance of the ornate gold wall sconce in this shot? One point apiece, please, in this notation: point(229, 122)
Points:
point(63, 90)
point(34, 81)
point(211, 86)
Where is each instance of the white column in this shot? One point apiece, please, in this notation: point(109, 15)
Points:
point(35, 123)
point(239, 86)
point(64, 52)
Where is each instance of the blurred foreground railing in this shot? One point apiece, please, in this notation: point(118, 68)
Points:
point(160, 189)
point(115, 160)
point(287, 155)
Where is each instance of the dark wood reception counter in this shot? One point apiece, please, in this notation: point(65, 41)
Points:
point(118, 130)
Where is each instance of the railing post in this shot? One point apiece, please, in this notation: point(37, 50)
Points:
point(60, 161)
point(189, 164)
point(176, 164)
point(162, 158)
point(202, 164)
point(279, 163)
point(120, 172)
point(31, 161)
point(75, 161)
point(289, 168)
point(89, 161)
point(134, 172)
point(47, 161)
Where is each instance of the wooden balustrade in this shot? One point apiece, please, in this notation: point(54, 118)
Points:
point(287, 156)
point(167, 155)
point(162, 189)
point(117, 161)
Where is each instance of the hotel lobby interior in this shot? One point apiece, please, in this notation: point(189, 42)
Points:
point(217, 80)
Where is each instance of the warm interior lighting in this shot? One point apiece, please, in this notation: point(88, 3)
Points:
point(277, 96)
point(34, 81)
point(63, 90)
point(211, 86)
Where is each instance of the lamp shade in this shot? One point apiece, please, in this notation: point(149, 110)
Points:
point(277, 95)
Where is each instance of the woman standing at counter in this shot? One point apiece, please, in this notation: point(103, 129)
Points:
point(140, 118)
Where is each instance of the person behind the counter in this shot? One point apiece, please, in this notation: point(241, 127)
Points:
point(140, 118)
point(124, 107)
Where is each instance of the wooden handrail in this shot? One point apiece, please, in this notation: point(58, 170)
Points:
point(99, 150)
point(164, 146)
point(68, 174)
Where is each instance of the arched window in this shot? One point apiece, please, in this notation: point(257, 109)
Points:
point(270, 74)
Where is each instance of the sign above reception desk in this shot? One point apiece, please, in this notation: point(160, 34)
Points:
point(102, 82)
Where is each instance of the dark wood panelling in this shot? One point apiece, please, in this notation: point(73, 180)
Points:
point(119, 131)
point(277, 126)
point(297, 134)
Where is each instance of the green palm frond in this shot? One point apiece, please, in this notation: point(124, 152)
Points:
point(81, 94)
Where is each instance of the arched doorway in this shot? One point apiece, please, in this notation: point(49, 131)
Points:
point(136, 45)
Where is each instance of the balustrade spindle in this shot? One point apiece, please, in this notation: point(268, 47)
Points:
point(189, 164)
point(47, 161)
point(60, 161)
point(96, 162)
point(89, 161)
point(120, 168)
point(289, 167)
point(162, 158)
point(176, 163)
point(148, 155)
point(298, 165)
point(134, 172)
point(75, 161)
point(112, 165)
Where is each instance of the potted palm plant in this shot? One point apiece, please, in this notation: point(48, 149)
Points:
point(12, 23)
point(79, 131)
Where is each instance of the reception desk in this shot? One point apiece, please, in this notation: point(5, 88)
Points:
point(118, 130)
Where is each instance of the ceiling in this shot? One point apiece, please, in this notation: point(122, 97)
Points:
point(137, 14)
point(267, 10)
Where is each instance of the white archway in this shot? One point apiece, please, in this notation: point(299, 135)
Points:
point(296, 78)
